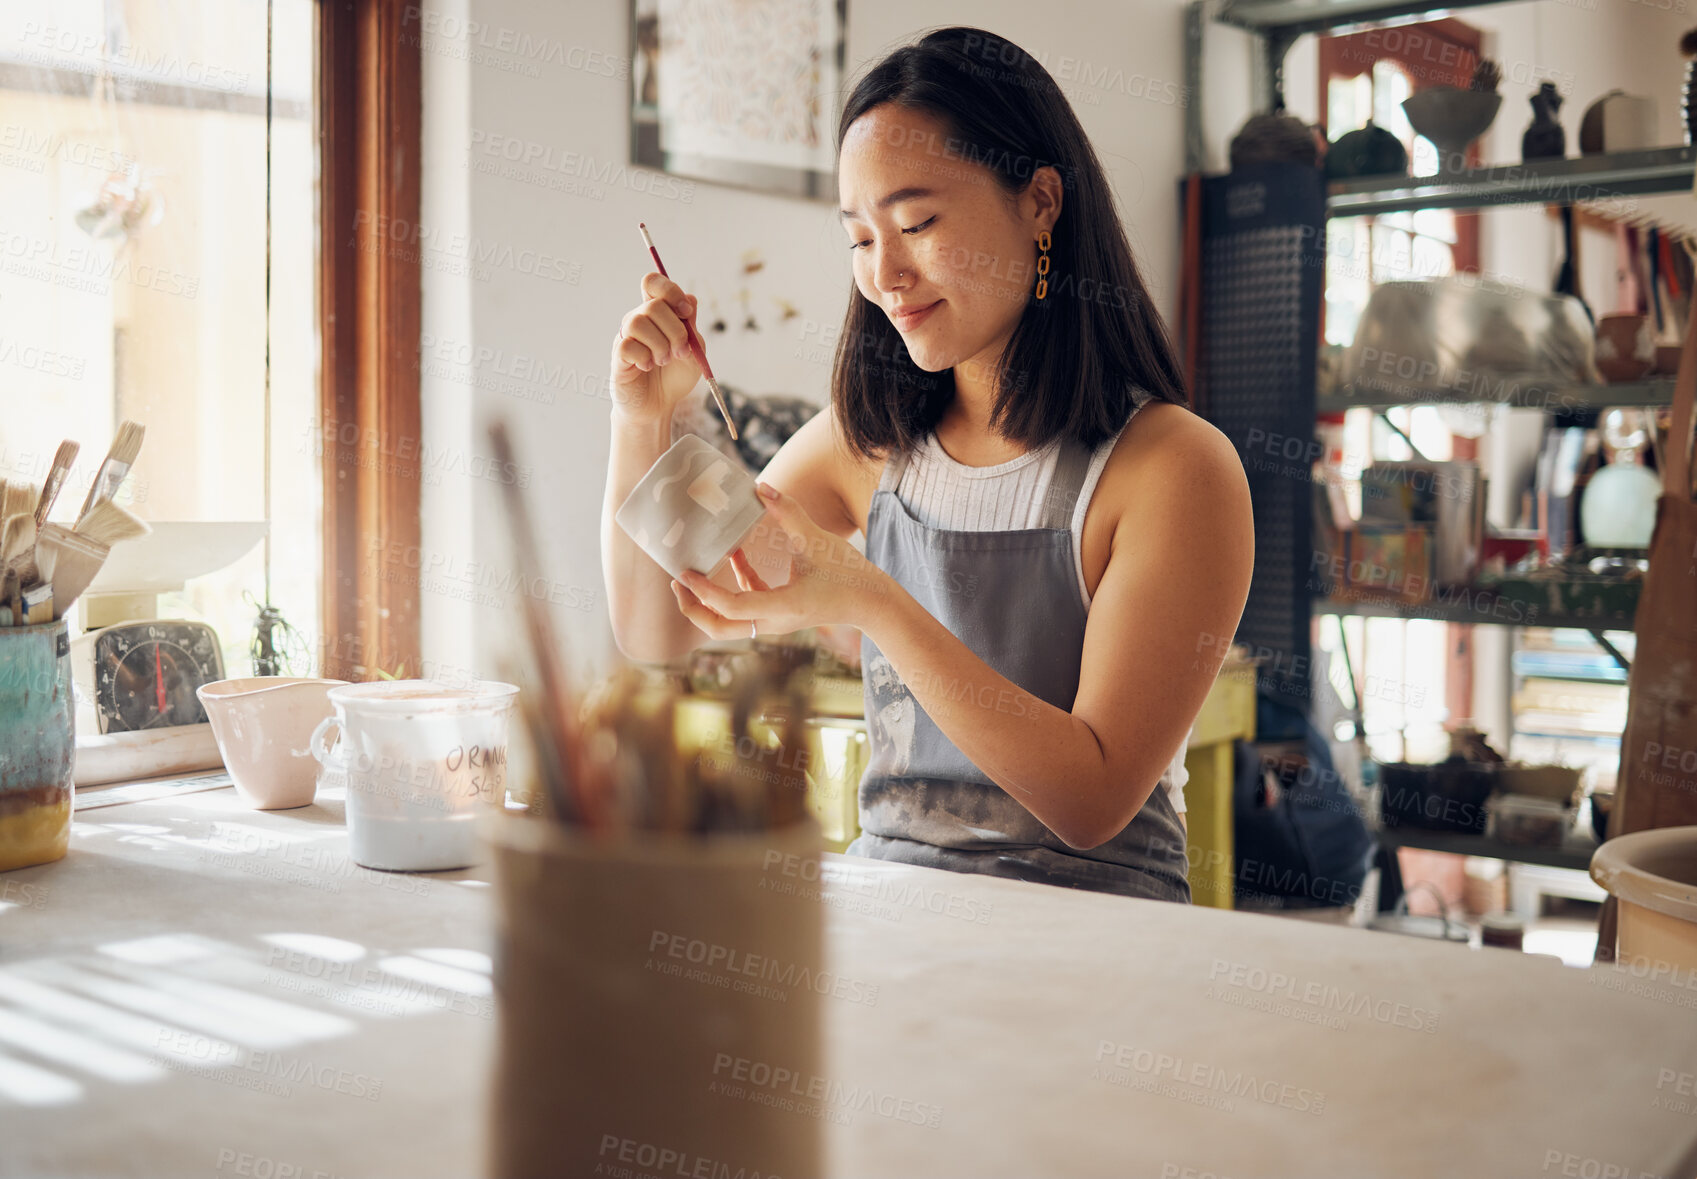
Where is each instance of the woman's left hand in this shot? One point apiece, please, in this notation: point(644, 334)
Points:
point(830, 580)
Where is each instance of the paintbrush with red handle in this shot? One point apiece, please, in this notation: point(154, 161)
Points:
point(696, 348)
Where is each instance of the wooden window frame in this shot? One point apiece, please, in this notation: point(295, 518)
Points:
point(369, 116)
point(1433, 53)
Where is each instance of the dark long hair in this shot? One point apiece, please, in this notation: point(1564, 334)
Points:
point(1078, 356)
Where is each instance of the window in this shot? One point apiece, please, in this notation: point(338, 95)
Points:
point(132, 275)
point(1366, 76)
point(1403, 664)
point(1415, 672)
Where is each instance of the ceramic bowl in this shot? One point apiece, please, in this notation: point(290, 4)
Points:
point(692, 509)
point(1653, 874)
point(263, 725)
point(1451, 118)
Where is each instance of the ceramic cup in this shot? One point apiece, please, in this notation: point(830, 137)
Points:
point(1626, 350)
point(421, 759)
point(692, 509)
point(262, 725)
point(600, 1021)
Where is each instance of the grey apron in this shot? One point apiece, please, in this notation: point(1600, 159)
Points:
point(1012, 597)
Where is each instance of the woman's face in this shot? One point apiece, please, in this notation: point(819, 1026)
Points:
point(937, 243)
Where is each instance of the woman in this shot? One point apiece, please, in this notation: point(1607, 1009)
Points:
point(1057, 550)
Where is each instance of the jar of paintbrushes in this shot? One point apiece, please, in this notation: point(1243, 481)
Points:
point(37, 744)
point(659, 929)
point(44, 567)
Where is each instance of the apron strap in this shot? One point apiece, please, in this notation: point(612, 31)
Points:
point(1066, 485)
point(894, 465)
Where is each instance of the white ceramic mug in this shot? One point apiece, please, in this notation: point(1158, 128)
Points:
point(262, 725)
point(692, 509)
point(421, 759)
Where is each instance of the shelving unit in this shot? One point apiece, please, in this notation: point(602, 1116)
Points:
point(1574, 853)
point(1589, 179)
point(1478, 608)
point(1527, 393)
point(1538, 182)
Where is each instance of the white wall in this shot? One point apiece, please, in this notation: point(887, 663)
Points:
point(549, 80)
point(514, 78)
point(446, 621)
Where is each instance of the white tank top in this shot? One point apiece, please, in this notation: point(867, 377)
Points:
point(943, 493)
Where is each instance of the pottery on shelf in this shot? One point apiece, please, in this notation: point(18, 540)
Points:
point(1275, 138)
point(1452, 118)
point(1617, 509)
point(1366, 151)
point(1626, 351)
point(1545, 137)
point(1618, 121)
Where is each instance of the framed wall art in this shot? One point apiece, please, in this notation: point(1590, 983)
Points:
point(739, 92)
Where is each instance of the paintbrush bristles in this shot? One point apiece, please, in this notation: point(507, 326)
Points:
point(126, 445)
point(109, 522)
point(17, 496)
point(17, 546)
point(62, 460)
point(46, 560)
point(724, 409)
point(640, 769)
point(75, 559)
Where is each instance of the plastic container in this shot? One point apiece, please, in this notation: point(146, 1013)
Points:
point(1653, 875)
point(263, 725)
point(38, 744)
point(1526, 821)
point(1556, 783)
point(421, 759)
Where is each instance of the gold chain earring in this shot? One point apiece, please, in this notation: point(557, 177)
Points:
point(1043, 263)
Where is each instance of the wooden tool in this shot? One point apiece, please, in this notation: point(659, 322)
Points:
point(125, 446)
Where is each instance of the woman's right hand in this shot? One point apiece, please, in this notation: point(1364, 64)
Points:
point(652, 367)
